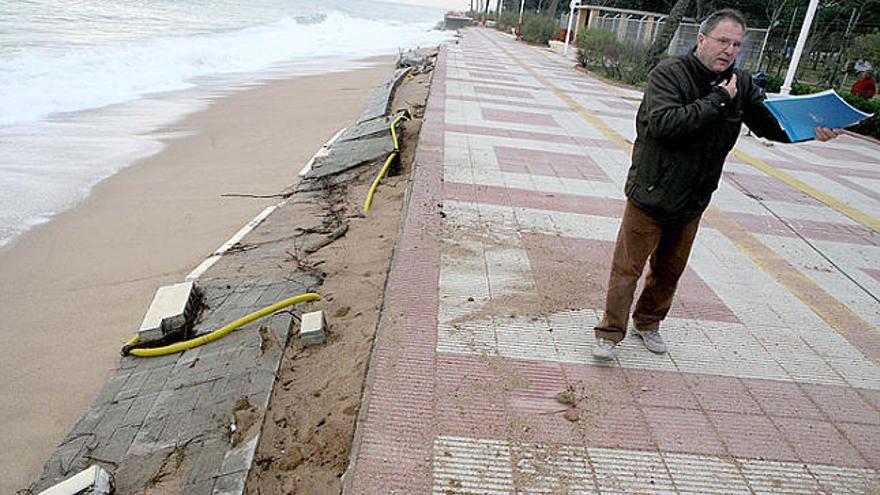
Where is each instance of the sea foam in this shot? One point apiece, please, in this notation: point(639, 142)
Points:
point(73, 114)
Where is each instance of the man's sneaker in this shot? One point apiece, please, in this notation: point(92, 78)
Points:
point(652, 339)
point(603, 349)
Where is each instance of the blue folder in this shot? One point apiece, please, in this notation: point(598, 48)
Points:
point(800, 115)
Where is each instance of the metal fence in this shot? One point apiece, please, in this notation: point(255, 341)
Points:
point(645, 31)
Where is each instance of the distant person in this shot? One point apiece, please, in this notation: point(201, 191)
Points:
point(865, 86)
point(689, 120)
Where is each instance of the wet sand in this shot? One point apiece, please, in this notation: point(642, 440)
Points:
point(74, 289)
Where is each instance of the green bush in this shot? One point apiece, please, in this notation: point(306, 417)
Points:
point(869, 127)
point(539, 29)
point(599, 50)
point(796, 88)
point(507, 21)
point(596, 48)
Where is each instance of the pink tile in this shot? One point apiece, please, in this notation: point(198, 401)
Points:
point(528, 118)
point(833, 153)
point(509, 102)
point(782, 399)
point(510, 93)
point(819, 442)
point(872, 272)
point(660, 388)
point(684, 431)
point(751, 436)
point(843, 404)
point(617, 427)
point(618, 105)
point(721, 393)
point(866, 439)
point(491, 75)
point(497, 83)
point(811, 229)
point(535, 199)
point(530, 135)
point(521, 160)
point(769, 188)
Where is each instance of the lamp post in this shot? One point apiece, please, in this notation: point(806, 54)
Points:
point(799, 48)
point(571, 7)
point(522, 6)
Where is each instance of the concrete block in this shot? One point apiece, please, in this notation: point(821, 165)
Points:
point(350, 154)
point(311, 330)
point(92, 481)
point(168, 312)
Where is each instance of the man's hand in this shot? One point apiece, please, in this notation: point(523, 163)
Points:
point(730, 86)
point(824, 134)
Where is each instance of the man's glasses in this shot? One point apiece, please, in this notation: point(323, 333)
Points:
point(725, 42)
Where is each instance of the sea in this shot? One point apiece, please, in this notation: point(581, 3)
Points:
point(86, 85)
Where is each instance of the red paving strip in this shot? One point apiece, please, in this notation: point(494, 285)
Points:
point(496, 83)
point(394, 435)
point(825, 170)
point(833, 153)
point(511, 93)
point(769, 188)
point(483, 74)
point(501, 196)
point(614, 115)
point(619, 105)
point(874, 272)
point(531, 135)
point(520, 160)
point(636, 409)
point(511, 102)
point(811, 229)
point(528, 118)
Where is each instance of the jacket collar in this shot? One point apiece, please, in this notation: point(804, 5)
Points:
point(710, 77)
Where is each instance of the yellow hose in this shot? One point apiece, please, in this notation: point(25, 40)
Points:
point(220, 333)
point(384, 170)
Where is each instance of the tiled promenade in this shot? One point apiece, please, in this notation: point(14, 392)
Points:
point(481, 380)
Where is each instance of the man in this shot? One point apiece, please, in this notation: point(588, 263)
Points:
point(865, 86)
point(689, 119)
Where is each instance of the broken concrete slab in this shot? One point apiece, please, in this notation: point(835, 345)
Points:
point(371, 128)
point(350, 154)
point(380, 100)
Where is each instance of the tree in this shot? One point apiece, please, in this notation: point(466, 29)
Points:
point(667, 31)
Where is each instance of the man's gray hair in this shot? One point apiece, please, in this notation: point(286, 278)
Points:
point(709, 23)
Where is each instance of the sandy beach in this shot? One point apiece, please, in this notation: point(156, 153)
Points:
point(74, 289)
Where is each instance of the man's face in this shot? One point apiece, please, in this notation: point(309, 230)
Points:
point(719, 48)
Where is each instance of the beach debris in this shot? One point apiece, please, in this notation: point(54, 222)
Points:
point(172, 309)
point(311, 331)
point(421, 61)
point(326, 240)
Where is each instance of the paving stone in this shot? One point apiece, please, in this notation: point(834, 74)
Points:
point(208, 460)
point(230, 484)
point(241, 457)
point(113, 451)
point(139, 409)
